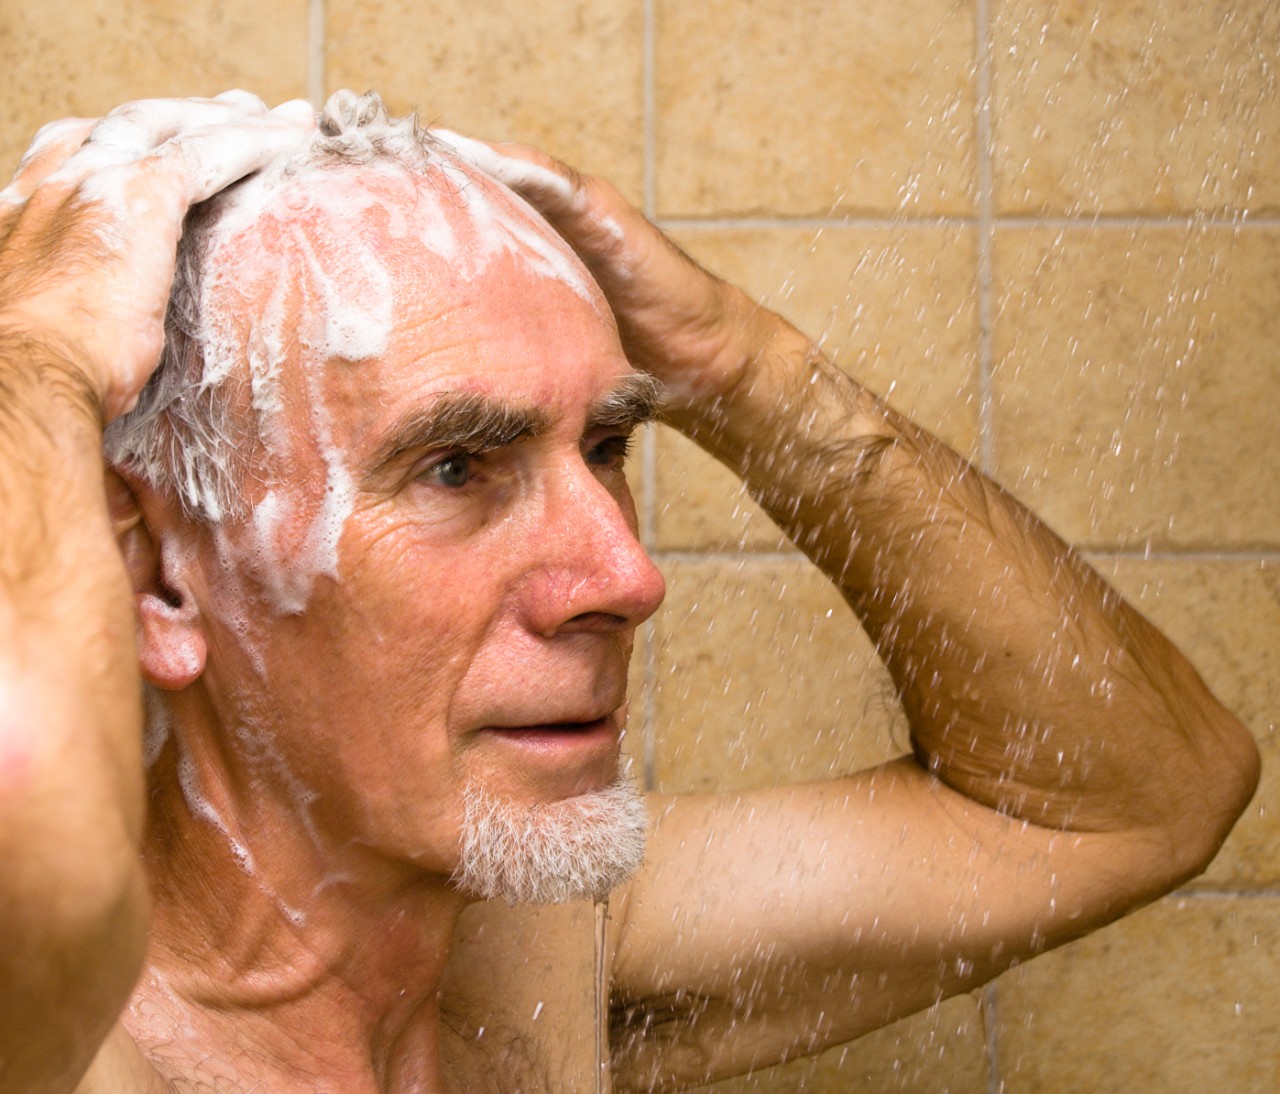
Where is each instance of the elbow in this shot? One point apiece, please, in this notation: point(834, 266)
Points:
point(1220, 784)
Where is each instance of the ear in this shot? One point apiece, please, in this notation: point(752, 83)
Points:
point(171, 641)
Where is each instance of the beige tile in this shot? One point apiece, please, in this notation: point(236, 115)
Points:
point(895, 307)
point(1129, 107)
point(1135, 382)
point(635, 741)
point(764, 677)
point(82, 59)
point(701, 505)
point(804, 107)
point(563, 74)
point(942, 1051)
point(1182, 998)
point(1225, 616)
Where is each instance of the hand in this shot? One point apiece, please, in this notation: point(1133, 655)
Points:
point(89, 225)
point(696, 333)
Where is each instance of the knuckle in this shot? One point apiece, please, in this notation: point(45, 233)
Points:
point(241, 98)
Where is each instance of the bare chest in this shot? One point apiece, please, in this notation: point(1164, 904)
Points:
point(518, 1012)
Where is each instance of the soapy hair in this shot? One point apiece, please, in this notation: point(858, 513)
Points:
point(185, 437)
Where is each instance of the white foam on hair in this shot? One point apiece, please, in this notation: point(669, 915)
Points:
point(349, 309)
point(518, 174)
point(265, 354)
point(346, 176)
point(508, 226)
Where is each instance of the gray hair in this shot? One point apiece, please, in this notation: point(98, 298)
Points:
point(184, 437)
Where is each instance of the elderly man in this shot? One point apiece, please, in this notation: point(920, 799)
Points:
point(366, 547)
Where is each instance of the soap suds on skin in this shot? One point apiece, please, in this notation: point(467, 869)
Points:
point(157, 725)
point(517, 174)
point(203, 809)
point(321, 237)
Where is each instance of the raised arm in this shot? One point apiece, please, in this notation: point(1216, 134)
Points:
point(88, 232)
point(1069, 764)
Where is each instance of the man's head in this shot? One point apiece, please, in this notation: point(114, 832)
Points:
point(395, 568)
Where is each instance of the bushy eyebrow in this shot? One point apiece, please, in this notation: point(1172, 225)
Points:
point(635, 400)
point(473, 422)
point(467, 421)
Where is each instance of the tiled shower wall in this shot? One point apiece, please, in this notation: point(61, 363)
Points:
point(1050, 229)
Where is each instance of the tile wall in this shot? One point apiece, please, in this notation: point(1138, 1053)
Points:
point(1050, 229)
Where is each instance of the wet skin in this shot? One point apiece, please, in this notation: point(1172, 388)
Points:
point(478, 629)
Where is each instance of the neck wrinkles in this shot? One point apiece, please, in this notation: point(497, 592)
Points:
point(260, 936)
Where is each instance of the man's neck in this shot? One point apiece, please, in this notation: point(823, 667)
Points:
point(271, 951)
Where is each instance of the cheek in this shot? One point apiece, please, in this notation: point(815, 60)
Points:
point(407, 609)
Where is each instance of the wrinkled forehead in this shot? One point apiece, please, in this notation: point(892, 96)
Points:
point(328, 255)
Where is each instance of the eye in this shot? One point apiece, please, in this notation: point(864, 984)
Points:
point(611, 452)
point(452, 471)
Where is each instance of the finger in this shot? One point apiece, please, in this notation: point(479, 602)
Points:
point(132, 131)
point(247, 99)
point(147, 123)
point(50, 149)
point(195, 163)
point(207, 160)
point(525, 170)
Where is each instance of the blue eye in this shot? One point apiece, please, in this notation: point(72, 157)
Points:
point(451, 471)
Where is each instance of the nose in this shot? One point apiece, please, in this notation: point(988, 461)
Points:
point(591, 574)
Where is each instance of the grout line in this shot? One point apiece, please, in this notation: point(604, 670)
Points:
point(649, 744)
point(649, 107)
point(986, 397)
point(724, 558)
point(745, 556)
point(694, 224)
point(648, 479)
point(1236, 221)
point(895, 221)
point(1142, 555)
point(316, 52)
point(990, 1019)
point(648, 522)
point(985, 158)
point(1223, 894)
point(649, 441)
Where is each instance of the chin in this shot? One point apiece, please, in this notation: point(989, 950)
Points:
point(578, 847)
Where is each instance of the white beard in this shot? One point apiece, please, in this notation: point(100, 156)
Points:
point(550, 852)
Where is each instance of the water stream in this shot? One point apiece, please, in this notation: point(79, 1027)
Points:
point(601, 1000)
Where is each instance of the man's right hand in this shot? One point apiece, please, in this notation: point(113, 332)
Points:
point(89, 229)
point(89, 225)
point(697, 334)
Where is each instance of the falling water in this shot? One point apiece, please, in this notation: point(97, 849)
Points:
point(601, 1000)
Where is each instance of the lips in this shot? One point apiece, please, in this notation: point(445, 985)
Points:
point(550, 760)
point(568, 725)
point(566, 728)
point(567, 735)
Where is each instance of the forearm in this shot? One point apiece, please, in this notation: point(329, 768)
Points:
point(1029, 684)
point(66, 618)
point(73, 902)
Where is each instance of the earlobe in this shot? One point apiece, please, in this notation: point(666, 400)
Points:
point(171, 643)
